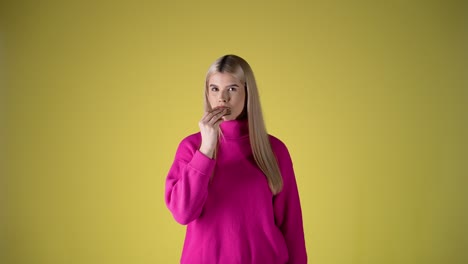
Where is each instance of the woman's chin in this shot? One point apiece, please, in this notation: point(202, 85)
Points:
point(227, 118)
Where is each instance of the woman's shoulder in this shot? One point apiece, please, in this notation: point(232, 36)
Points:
point(277, 145)
point(281, 153)
point(191, 140)
point(188, 146)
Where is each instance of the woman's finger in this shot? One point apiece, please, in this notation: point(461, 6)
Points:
point(208, 116)
point(217, 117)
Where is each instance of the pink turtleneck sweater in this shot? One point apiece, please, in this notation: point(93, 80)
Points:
point(233, 217)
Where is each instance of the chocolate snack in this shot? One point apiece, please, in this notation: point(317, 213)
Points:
point(228, 111)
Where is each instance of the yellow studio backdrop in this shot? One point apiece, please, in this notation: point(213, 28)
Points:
point(369, 96)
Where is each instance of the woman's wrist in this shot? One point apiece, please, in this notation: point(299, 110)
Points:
point(209, 152)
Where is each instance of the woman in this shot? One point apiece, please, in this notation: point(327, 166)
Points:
point(232, 184)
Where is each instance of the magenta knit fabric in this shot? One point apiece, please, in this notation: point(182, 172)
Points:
point(226, 203)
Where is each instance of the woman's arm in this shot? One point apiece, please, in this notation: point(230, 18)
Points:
point(187, 183)
point(188, 178)
point(287, 208)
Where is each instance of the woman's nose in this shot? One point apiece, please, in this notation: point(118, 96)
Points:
point(223, 97)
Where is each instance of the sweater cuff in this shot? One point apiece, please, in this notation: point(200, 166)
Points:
point(202, 163)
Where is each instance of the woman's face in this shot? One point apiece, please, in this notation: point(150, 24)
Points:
point(224, 89)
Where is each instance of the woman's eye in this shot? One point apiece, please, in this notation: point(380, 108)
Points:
point(214, 89)
point(232, 89)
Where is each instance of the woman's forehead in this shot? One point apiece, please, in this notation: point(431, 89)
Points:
point(223, 78)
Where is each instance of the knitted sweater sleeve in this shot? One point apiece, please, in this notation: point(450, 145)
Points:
point(187, 182)
point(287, 207)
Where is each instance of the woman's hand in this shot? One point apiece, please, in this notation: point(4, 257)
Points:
point(209, 127)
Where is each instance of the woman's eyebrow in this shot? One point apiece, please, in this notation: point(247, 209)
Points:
point(226, 85)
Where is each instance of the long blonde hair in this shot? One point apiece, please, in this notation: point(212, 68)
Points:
point(259, 141)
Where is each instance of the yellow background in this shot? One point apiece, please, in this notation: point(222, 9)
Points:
point(369, 96)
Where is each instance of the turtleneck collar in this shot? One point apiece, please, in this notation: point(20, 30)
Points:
point(233, 129)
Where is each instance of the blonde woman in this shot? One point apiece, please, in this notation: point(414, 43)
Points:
point(233, 184)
